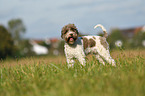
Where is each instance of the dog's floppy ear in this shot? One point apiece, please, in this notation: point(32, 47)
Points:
point(63, 31)
point(61, 35)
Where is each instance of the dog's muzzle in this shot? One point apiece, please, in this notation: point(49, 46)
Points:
point(72, 38)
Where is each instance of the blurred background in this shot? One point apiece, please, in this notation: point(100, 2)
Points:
point(33, 27)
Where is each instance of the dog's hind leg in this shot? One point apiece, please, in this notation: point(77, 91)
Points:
point(100, 59)
point(106, 56)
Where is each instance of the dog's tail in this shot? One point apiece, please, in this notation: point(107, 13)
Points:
point(104, 30)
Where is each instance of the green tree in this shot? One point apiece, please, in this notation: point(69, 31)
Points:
point(6, 43)
point(16, 28)
point(114, 36)
point(138, 39)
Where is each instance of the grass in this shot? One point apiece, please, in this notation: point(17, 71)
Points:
point(49, 76)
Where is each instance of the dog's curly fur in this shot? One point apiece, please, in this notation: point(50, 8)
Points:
point(79, 47)
point(71, 27)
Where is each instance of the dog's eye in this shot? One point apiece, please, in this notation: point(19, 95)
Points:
point(74, 30)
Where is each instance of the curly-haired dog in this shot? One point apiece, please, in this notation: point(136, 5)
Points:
point(78, 47)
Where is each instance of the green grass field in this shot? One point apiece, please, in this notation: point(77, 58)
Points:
point(49, 76)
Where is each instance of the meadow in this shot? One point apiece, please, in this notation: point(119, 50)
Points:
point(49, 76)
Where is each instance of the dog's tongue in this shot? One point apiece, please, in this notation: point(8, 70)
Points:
point(71, 39)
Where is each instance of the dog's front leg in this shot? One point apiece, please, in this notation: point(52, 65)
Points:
point(70, 62)
point(82, 60)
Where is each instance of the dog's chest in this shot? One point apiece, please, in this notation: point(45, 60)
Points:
point(75, 49)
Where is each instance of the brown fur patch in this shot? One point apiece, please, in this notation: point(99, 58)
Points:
point(103, 42)
point(88, 43)
point(85, 42)
point(92, 43)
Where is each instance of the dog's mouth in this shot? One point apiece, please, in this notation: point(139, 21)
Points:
point(71, 40)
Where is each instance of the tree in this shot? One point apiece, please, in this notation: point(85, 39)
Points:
point(16, 28)
point(138, 39)
point(114, 37)
point(6, 43)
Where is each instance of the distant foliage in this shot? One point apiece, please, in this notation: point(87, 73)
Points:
point(116, 37)
point(16, 28)
point(7, 47)
point(25, 48)
point(139, 40)
point(12, 43)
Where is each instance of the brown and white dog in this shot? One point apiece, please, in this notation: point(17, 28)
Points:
point(79, 47)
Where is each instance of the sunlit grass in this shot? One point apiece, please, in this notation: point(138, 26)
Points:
point(49, 76)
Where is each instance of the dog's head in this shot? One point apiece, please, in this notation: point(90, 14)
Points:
point(69, 33)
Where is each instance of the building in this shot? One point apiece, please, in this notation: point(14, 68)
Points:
point(130, 32)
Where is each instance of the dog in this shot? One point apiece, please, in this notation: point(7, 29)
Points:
point(78, 47)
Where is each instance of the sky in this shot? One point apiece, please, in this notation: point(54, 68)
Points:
point(45, 18)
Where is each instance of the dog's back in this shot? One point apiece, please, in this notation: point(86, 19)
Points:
point(93, 43)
